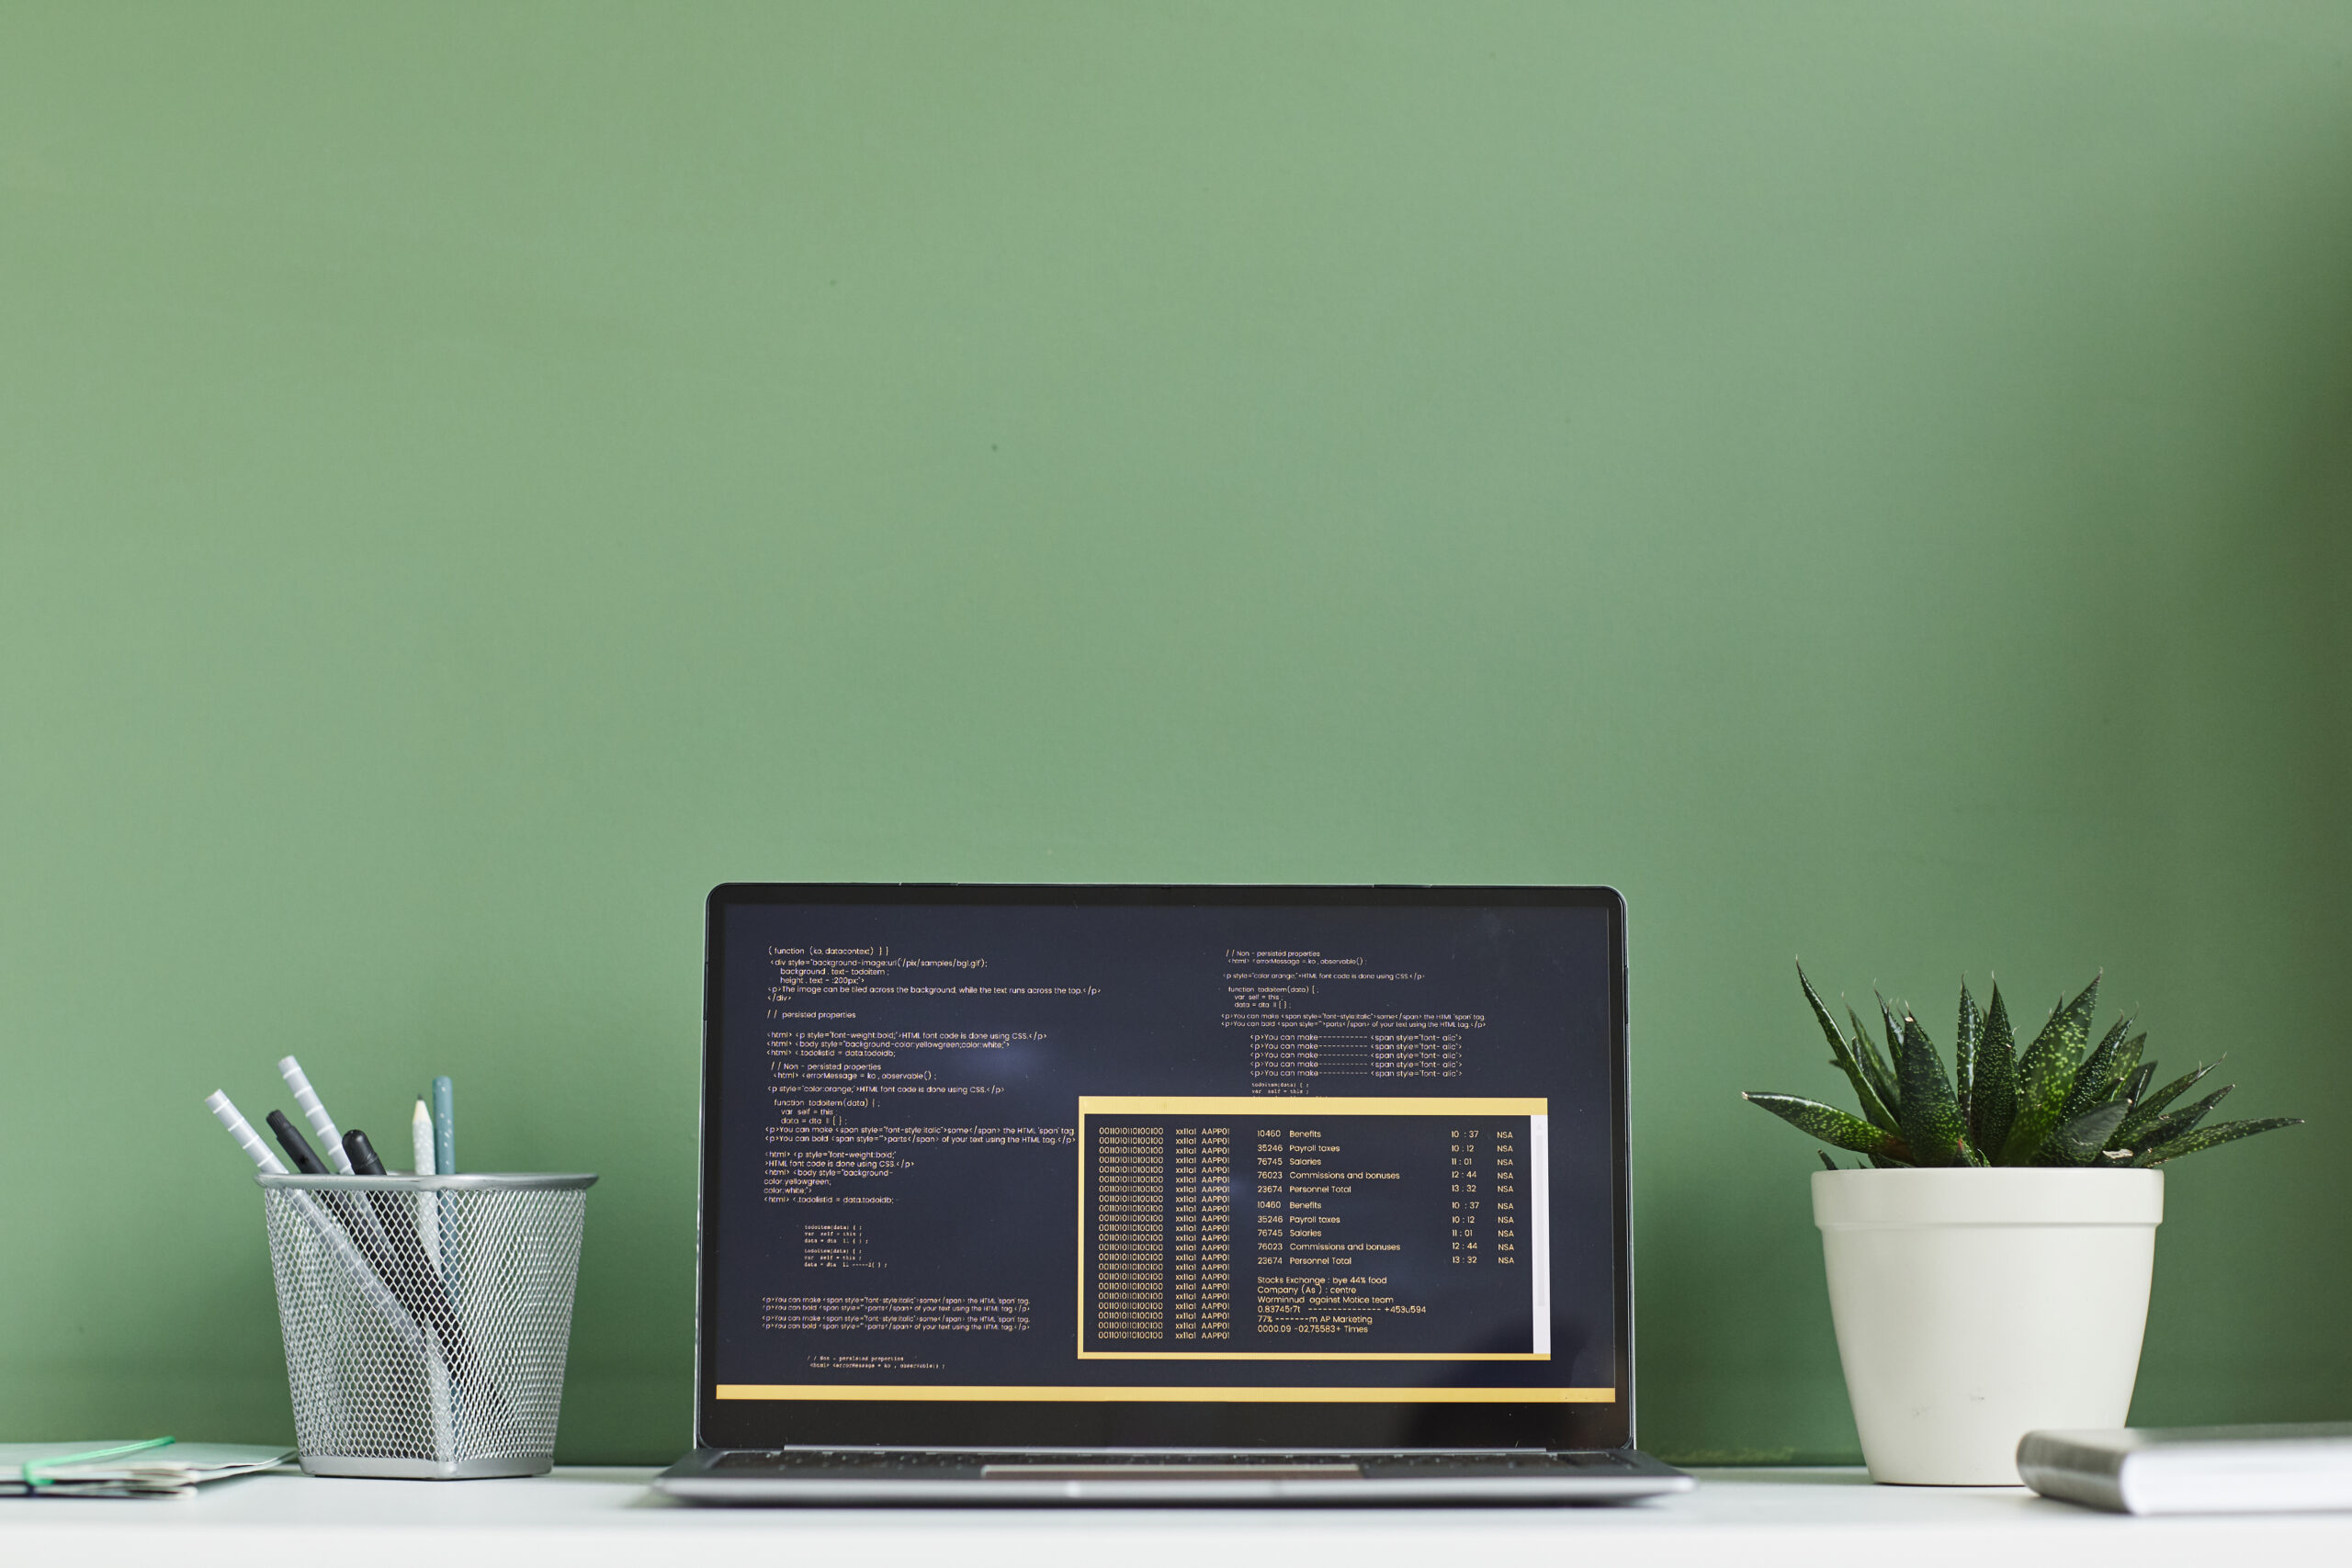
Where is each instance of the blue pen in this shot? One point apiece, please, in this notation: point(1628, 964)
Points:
point(445, 1129)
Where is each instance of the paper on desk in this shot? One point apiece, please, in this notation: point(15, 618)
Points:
point(171, 1471)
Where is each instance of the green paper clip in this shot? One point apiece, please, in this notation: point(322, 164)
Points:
point(34, 1480)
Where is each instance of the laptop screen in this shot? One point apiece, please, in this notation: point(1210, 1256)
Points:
point(1103, 1161)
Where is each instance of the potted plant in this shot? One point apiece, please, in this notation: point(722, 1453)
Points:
point(1989, 1256)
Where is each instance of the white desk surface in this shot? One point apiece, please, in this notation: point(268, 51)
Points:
point(1750, 1518)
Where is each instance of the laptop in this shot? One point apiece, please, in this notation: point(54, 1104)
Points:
point(1150, 1195)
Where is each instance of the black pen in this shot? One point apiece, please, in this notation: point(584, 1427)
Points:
point(388, 1248)
point(298, 1147)
point(363, 1154)
point(367, 1236)
point(367, 1231)
point(430, 1297)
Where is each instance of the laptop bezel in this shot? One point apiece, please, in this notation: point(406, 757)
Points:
point(1404, 1424)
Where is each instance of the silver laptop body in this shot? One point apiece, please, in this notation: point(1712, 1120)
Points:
point(1135, 1195)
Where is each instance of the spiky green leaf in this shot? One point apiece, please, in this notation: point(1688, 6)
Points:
point(2137, 1084)
point(1827, 1162)
point(2046, 1076)
point(1831, 1125)
point(2149, 1108)
point(1894, 1022)
point(2103, 1071)
point(1994, 1104)
point(2063, 1033)
point(1930, 1112)
point(2125, 1068)
point(1842, 1055)
point(2165, 1129)
point(1882, 1077)
point(1966, 1037)
point(2080, 1140)
point(2220, 1133)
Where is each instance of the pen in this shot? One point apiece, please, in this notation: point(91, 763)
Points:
point(420, 1138)
point(339, 1233)
point(393, 1239)
point(418, 1273)
point(362, 1153)
point(337, 1239)
point(349, 1230)
point(444, 1128)
point(428, 1204)
point(385, 1234)
point(365, 1228)
point(242, 1130)
point(298, 1148)
point(306, 1101)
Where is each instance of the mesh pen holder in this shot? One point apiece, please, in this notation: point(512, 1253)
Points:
point(425, 1318)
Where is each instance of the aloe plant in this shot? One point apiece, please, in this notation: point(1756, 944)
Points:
point(2059, 1103)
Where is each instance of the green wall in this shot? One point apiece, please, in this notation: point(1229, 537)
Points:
point(1870, 482)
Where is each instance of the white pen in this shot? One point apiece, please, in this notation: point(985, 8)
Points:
point(420, 1134)
point(242, 1130)
point(306, 1101)
point(222, 1107)
point(329, 1231)
point(428, 1206)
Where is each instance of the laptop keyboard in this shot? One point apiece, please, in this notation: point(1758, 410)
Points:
point(953, 1464)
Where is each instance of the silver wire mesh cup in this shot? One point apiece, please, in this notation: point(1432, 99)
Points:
point(425, 1318)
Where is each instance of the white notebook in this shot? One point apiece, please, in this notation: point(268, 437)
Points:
point(2194, 1470)
point(166, 1471)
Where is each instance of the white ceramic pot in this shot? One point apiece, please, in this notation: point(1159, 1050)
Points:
point(1974, 1306)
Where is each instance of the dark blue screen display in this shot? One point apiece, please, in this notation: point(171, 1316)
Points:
point(1218, 1149)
